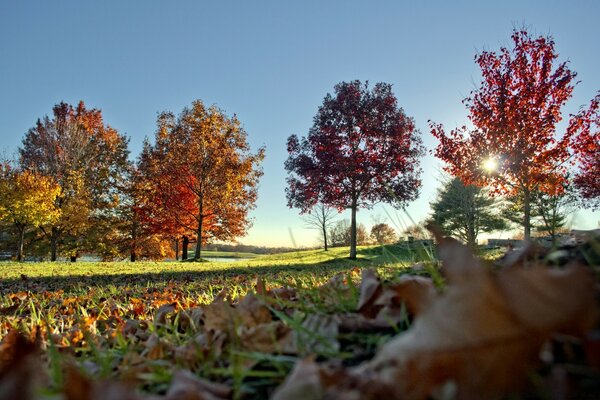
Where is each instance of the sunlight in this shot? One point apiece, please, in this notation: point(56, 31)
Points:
point(490, 165)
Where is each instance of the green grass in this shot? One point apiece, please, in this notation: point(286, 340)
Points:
point(225, 254)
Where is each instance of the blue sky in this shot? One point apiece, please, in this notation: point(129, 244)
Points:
point(271, 63)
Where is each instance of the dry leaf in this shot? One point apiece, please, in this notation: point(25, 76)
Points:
point(303, 383)
point(318, 334)
point(19, 367)
point(187, 386)
point(161, 313)
point(485, 332)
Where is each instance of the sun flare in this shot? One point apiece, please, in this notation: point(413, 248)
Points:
point(490, 165)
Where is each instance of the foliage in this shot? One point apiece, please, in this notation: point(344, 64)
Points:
point(552, 211)
point(514, 111)
point(417, 231)
point(88, 161)
point(321, 217)
point(585, 128)
point(465, 211)
point(341, 234)
point(27, 200)
point(201, 178)
point(361, 149)
point(382, 233)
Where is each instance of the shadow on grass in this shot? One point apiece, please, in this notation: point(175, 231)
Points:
point(190, 273)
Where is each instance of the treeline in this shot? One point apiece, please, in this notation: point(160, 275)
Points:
point(73, 189)
point(363, 148)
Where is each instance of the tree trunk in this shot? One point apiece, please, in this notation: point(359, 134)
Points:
point(184, 250)
point(353, 232)
point(53, 244)
point(526, 215)
point(132, 256)
point(198, 254)
point(74, 258)
point(21, 242)
point(176, 249)
point(324, 226)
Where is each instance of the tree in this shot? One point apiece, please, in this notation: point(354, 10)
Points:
point(465, 211)
point(320, 217)
point(27, 200)
point(202, 176)
point(417, 231)
point(341, 234)
point(552, 210)
point(361, 149)
point(586, 145)
point(382, 233)
point(87, 159)
point(512, 146)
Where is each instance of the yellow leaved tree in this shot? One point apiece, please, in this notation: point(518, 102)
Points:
point(27, 199)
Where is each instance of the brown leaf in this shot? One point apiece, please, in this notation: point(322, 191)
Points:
point(370, 288)
point(9, 310)
point(218, 316)
point(304, 382)
point(161, 314)
point(416, 292)
point(187, 386)
point(252, 311)
point(484, 333)
point(318, 334)
point(77, 386)
point(19, 367)
point(274, 337)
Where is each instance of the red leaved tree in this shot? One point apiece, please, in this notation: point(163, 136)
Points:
point(586, 144)
point(513, 146)
point(361, 149)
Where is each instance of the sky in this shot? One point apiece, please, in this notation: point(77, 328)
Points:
point(272, 63)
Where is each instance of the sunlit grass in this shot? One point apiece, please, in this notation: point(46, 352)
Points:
point(84, 308)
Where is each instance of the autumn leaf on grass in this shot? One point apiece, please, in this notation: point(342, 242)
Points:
point(382, 304)
point(79, 387)
point(19, 367)
point(188, 386)
point(483, 335)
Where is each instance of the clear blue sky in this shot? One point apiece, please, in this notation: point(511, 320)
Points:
point(271, 63)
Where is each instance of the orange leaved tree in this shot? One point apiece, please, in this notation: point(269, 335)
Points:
point(513, 146)
point(202, 176)
point(88, 161)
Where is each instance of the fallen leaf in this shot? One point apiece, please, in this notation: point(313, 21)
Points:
point(187, 386)
point(483, 334)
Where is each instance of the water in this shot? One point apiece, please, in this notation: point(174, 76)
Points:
point(224, 259)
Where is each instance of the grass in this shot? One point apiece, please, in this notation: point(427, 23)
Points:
point(103, 314)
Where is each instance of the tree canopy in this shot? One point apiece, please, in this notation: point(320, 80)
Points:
point(513, 146)
point(465, 211)
point(361, 149)
point(202, 176)
point(88, 160)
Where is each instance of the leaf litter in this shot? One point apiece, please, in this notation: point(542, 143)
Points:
point(521, 328)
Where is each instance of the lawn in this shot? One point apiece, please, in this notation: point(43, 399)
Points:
point(306, 324)
point(135, 321)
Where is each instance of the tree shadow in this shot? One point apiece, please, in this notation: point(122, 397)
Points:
point(217, 274)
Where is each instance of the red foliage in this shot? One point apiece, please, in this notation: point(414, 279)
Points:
point(514, 112)
point(586, 145)
point(361, 149)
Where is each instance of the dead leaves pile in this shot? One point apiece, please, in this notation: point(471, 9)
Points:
point(482, 335)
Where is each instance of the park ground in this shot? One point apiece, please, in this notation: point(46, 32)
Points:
point(144, 323)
